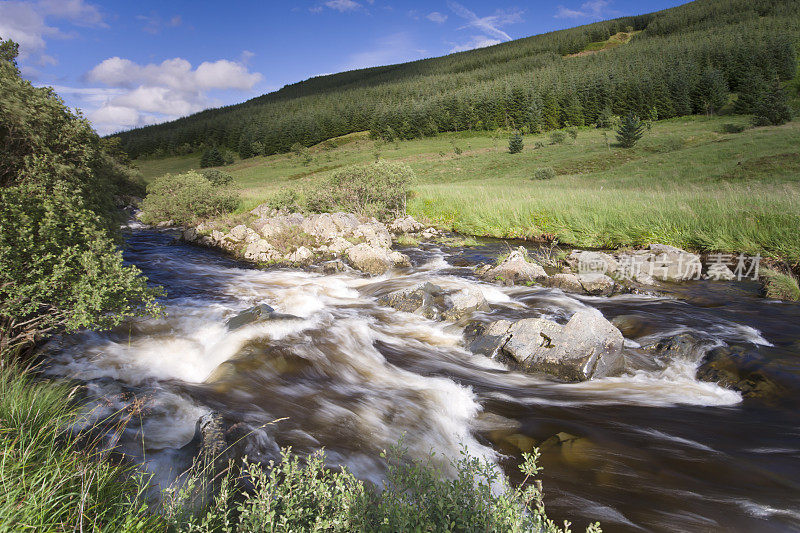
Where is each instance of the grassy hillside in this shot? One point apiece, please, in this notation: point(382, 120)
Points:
point(686, 183)
point(672, 63)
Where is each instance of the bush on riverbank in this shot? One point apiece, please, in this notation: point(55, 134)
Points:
point(60, 267)
point(378, 189)
point(183, 198)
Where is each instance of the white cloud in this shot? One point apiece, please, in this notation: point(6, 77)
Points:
point(343, 5)
point(396, 48)
point(30, 23)
point(154, 24)
point(477, 41)
point(593, 9)
point(490, 26)
point(436, 17)
point(136, 95)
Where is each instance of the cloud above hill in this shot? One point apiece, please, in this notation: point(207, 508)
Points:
point(136, 95)
point(489, 27)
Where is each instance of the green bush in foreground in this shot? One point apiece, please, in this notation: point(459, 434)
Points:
point(544, 173)
point(217, 177)
point(378, 189)
point(183, 198)
point(779, 286)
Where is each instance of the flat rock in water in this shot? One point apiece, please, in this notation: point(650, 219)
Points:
point(436, 303)
point(257, 313)
point(516, 269)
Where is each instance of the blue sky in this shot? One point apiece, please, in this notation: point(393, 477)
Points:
point(127, 64)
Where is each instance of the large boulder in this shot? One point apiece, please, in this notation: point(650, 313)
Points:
point(660, 262)
point(259, 250)
point(321, 226)
point(374, 260)
point(587, 346)
point(405, 224)
point(595, 284)
point(374, 233)
point(516, 269)
point(585, 262)
point(301, 256)
point(436, 303)
point(238, 233)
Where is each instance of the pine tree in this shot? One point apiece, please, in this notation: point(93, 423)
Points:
point(630, 130)
point(711, 92)
point(212, 158)
point(751, 89)
point(515, 143)
point(772, 109)
point(245, 147)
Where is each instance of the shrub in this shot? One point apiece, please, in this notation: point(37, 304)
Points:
point(295, 495)
point(779, 286)
point(217, 177)
point(286, 200)
point(557, 137)
point(733, 128)
point(630, 131)
point(378, 189)
point(183, 198)
point(537, 145)
point(544, 173)
point(515, 144)
point(573, 133)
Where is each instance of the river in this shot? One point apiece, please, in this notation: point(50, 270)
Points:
point(654, 450)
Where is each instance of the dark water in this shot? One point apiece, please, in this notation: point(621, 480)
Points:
point(654, 450)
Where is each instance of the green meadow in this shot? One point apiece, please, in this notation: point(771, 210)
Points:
point(686, 183)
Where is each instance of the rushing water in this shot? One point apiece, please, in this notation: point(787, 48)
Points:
point(652, 450)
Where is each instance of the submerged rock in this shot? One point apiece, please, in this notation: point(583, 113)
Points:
point(436, 303)
point(257, 313)
point(587, 346)
point(733, 369)
point(515, 269)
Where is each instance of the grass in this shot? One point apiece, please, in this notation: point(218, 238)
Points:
point(614, 41)
point(686, 183)
point(49, 482)
point(780, 286)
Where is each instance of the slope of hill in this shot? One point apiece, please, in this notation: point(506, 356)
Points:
point(681, 61)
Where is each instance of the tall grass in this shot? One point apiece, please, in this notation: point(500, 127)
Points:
point(49, 480)
point(748, 219)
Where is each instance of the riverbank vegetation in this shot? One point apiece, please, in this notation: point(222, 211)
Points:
point(708, 183)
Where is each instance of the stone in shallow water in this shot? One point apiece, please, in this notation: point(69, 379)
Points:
point(436, 303)
point(586, 347)
point(254, 314)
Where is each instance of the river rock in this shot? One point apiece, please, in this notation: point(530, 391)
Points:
point(406, 224)
point(301, 256)
point(190, 235)
point(732, 368)
point(659, 262)
point(374, 233)
point(586, 262)
point(238, 233)
point(374, 260)
point(321, 226)
point(487, 339)
point(587, 346)
point(596, 284)
point(257, 313)
point(685, 346)
point(260, 250)
point(436, 303)
point(516, 269)
point(339, 245)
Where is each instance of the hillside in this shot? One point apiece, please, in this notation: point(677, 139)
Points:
point(679, 61)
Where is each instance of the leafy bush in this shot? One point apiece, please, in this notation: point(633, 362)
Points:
point(733, 128)
point(293, 495)
point(573, 133)
point(217, 177)
point(544, 173)
point(285, 200)
point(60, 267)
point(515, 144)
point(630, 131)
point(557, 137)
point(183, 198)
point(537, 145)
point(378, 189)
